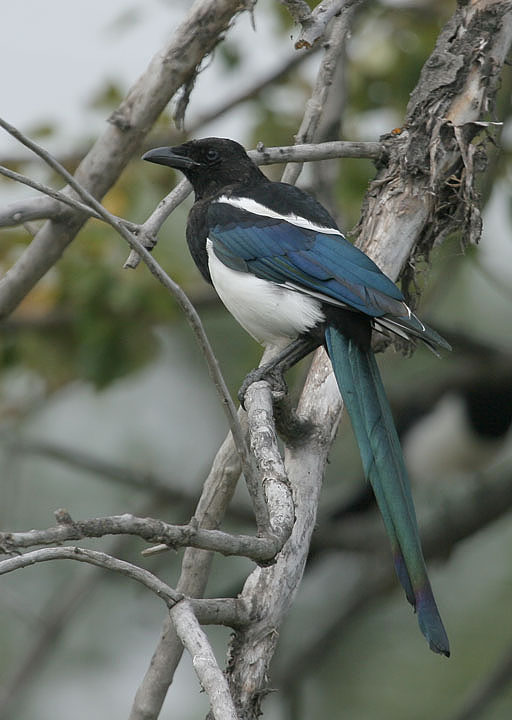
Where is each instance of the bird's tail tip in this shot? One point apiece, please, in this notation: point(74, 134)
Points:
point(424, 604)
point(431, 624)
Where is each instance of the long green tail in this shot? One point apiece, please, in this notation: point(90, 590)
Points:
point(360, 384)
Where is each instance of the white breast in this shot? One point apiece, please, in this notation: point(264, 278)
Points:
point(271, 313)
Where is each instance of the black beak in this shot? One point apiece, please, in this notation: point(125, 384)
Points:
point(170, 157)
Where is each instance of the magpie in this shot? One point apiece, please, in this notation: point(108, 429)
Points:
point(281, 266)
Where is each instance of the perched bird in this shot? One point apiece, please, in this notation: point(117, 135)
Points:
point(285, 271)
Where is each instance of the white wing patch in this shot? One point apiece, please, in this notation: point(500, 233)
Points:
point(249, 205)
point(273, 314)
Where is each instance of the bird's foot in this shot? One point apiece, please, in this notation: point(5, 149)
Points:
point(289, 425)
point(269, 372)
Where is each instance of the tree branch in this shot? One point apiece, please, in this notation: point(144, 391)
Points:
point(259, 549)
point(315, 105)
point(227, 611)
point(215, 497)
point(272, 477)
point(314, 25)
point(210, 675)
point(93, 557)
point(189, 311)
point(20, 213)
point(169, 69)
point(270, 591)
point(410, 203)
point(34, 208)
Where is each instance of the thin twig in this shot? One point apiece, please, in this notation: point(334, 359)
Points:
point(93, 557)
point(152, 225)
point(259, 549)
point(185, 304)
point(60, 196)
point(217, 492)
point(315, 105)
point(213, 610)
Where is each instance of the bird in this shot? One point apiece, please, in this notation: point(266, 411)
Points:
point(285, 271)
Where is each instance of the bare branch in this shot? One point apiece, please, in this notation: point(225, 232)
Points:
point(272, 475)
point(213, 611)
point(170, 68)
point(269, 489)
point(315, 105)
point(210, 675)
point(259, 549)
point(456, 88)
point(298, 9)
point(157, 218)
point(93, 557)
point(35, 208)
point(314, 25)
point(217, 493)
point(270, 591)
point(189, 311)
point(20, 215)
point(317, 151)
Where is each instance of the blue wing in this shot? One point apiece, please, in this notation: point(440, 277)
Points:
point(319, 263)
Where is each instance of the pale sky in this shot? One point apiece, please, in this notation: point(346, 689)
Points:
point(60, 55)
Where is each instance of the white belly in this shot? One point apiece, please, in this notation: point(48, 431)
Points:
point(271, 313)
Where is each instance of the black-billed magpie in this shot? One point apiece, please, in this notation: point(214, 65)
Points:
point(285, 271)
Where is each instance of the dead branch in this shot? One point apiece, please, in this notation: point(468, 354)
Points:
point(170, 68)
point(259, 549)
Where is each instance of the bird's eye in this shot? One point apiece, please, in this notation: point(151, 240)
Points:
point(212, 155)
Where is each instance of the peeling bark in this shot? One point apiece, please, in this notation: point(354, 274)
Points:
point(426, 187)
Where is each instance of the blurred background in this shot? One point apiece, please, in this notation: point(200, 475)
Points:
point(101, 382)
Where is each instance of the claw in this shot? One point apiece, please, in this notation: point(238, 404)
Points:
point(271, 374)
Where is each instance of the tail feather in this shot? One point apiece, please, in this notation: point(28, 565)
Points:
point(411, 327)
point(361, 387)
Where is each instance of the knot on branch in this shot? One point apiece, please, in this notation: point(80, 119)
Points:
point(121, 119)
point(63, 517)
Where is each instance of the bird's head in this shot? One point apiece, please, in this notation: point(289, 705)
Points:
point(210, 164)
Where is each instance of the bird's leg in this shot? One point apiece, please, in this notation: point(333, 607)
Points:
point(274, 370)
